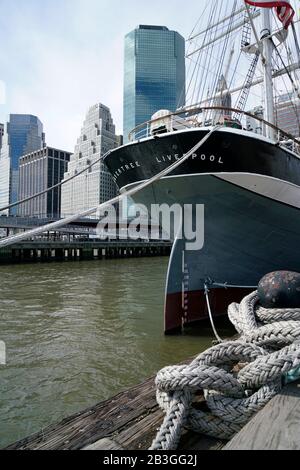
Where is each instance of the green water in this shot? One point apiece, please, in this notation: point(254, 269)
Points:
point(78, 333)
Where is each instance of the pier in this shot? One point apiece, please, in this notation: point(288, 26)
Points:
point(78, 241)
point(76, 250)
point(129, 421)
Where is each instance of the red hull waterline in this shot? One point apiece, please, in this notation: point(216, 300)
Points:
point(182, 309)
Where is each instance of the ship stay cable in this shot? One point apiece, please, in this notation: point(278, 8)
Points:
point(296, 89)
point(8, 241)
point(209, 35)
point(223, 48)
point(58, 185)
point(211, 319)
point(288, 93)
point(238, 12)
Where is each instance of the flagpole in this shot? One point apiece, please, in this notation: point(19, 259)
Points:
point(268, 75)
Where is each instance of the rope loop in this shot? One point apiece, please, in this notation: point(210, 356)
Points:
point(237, 378)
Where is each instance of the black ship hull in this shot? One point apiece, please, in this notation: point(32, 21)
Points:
point(250, 188)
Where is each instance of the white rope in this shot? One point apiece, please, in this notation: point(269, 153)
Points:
point(61, 223)
point(55, 186)
point(268, 348)
point(206, 292)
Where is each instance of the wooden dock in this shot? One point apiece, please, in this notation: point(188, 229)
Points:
point(276, 427)
point(130, 420)
point(77, 250)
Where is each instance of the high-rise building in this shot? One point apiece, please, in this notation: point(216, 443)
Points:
point(1, 134)
point(95, 185)
point(154, 74)
point(288, 114)
point(23, 134)
point(38, 171)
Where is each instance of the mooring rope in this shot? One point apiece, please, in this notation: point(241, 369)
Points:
point(61, 223)
point(238, 378)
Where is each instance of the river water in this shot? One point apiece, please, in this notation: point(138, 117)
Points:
point(78, 333)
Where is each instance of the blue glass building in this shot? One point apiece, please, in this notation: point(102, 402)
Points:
point(24, 134)
point(154, 74)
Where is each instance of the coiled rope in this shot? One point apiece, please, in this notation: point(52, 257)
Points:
point(269, 347)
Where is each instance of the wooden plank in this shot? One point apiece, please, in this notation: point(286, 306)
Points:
point(128, 421)
point(276, 427)
point(96, 423)
point(193, 441)
point(104, 444)
point(139, 435)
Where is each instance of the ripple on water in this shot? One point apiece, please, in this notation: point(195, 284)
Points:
point(76, 334)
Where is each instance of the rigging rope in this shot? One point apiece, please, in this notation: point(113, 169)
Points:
point(61, 223)
point(269, 348)
point(296, 89)
point(58, 185)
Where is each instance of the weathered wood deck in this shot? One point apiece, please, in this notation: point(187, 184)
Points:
point(276, 427)
point(130, 420)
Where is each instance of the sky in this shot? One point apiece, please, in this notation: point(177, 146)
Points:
point(59, 57)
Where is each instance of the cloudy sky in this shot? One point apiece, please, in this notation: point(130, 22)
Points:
point(58, 57)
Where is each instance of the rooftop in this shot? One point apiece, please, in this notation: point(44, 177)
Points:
point(159, 28)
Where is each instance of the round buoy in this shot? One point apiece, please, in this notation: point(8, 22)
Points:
point(280, 289)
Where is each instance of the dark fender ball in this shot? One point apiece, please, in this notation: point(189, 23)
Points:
point(280, 289)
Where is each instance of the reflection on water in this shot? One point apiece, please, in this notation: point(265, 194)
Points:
point(76, 334)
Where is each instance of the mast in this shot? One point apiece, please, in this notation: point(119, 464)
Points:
point(268, 74)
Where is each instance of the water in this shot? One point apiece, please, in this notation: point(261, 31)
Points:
point(78, 333)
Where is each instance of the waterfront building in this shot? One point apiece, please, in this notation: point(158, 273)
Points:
point(1, 134)
point(288, 114)
point(23, 134)
point(287, 110)
point(38, 171)
point(154, 74)
point(120, 140)
point(96, 185)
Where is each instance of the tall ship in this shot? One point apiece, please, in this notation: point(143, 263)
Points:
point(245, 170)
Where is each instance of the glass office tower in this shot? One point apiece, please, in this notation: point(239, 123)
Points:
point(154, 74)
point(24, 134)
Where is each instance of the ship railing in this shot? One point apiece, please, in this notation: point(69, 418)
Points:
point(207, 116)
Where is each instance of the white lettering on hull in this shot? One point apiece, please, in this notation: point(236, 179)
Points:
point(168, 159)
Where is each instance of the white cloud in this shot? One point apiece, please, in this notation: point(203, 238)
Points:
point(63, 56)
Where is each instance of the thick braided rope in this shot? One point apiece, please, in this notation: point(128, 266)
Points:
point(269, 347)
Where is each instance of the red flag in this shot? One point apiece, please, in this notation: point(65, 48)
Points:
point(284, 10)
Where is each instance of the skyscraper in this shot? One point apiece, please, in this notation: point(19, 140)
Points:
point(154, 74)
point(38, 171)
point(95, 185)
point(23, 134)
point(288, 114)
